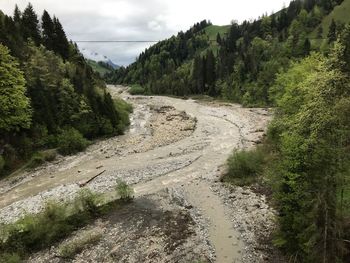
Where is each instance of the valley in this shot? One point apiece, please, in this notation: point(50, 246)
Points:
point(173, 156)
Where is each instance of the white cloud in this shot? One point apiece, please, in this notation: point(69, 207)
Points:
point(140, 19)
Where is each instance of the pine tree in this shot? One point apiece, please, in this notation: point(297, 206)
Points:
point(218, 39)
point(61, 45)
point(30, 25)
point(17, 15)
point(307, 47)
point(332, 33)
point(210, 72)
point(48, 31)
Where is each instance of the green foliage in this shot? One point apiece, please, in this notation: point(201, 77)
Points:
point(136, 90)
point(41, 157)
point(311, 174)
point(55, 222)
point(245, 166)
point(51, 89)
point(15, 108)
point(71, 141)
point(124, 191)
point(73, 247)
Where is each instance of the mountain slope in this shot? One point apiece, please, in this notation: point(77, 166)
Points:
point(240, 65)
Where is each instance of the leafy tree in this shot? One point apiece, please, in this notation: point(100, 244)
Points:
point(15, 108)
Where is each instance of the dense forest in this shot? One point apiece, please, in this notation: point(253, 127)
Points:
point(49, 95)
point(285, 60)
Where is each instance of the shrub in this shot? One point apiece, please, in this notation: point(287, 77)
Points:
point(245, 166)
point(87, 202)
point(49, 155)
point(71, 141)
point(37, 231)
point(73, 247)
point(124, 191)
point(41, 157)
point(136, 90)
point(36, 160)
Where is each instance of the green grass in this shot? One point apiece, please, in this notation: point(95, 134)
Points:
point(212, 31)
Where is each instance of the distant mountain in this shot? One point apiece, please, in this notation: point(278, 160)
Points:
point(94, 56)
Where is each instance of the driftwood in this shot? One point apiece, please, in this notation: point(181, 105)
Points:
point(82, 184)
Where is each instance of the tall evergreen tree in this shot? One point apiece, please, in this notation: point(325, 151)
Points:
point(210, 72)
point(48, 31)
point(61, 44)
point(332, 33)
point(30, 24)
point(17, 15)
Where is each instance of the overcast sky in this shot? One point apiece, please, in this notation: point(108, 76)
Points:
point(140, 19)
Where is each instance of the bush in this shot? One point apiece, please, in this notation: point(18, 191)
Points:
point(245, 166)
point(71, 141)
point(123, 109)
point(87, 202)
point(124, 191)
point(36, 160)
point(73, 247)
point(37, 231)
point(136, 90)
point(41, 157)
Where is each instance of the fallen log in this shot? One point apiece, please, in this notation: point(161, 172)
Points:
point(82, 184)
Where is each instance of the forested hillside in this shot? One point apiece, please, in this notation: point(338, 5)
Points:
point(238, 63)
point(49, 95)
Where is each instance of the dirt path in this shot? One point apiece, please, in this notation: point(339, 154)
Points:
point(171, 143)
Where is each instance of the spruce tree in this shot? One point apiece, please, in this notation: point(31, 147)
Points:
point(332, 33)
point(17, 15)
point(30, 25)
point(61, 45)
point(48, 31)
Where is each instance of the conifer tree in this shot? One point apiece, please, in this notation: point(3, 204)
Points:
point(17, 15)
point(48, 31)
point(61, 45)
point(332, 33)
point(30, 24)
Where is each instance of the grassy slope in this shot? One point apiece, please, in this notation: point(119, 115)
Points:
point(212, 31)
point(98, 68)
